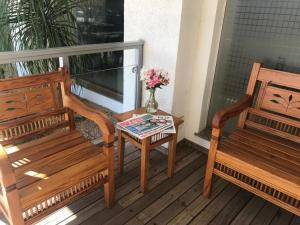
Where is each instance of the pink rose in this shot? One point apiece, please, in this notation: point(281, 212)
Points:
point(154, 78)
point(151, 73)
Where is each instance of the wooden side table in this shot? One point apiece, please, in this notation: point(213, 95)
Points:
point(147, 144)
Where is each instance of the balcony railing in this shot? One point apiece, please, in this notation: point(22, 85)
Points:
point(132, 58)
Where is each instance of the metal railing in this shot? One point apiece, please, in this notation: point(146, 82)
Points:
point(63, 53)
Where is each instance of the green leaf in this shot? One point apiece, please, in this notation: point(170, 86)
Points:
point(37, 24)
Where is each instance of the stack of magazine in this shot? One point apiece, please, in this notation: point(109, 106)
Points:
point(145, 125)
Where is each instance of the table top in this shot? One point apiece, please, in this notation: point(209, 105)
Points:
point(127, 115)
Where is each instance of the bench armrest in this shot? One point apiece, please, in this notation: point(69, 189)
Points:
point(105, 125)
point(222, 116)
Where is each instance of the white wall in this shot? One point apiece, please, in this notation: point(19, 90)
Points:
point(189, 35)
point(200, 35)
point(181, 37)
point(157, 22)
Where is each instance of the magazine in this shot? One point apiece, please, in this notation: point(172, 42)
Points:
point(170, 130)
point(145, 125)
point(166, 119)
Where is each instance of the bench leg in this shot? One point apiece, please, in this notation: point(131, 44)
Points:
point(172, 155)
point(11, 203)
point(109, 186)
point(208, 180)
point(209, 168)
point(109, 192)
point(145, 152)
point(121, 146)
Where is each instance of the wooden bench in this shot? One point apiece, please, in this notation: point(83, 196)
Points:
point(44, 162)
point(262, 155)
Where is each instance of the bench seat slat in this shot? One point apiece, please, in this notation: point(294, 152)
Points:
point(274, 151)
point(56, 155)
point(35, 151)
point(46, 162)
point(274, 142)
point(260, 172)
point(62, 180)
point(271, 163)
point(262, 154)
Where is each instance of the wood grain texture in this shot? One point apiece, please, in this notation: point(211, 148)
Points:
point(282, 101)
point(248, 213)
point(178, 204)
point(145, 152)
point(216, 134)
point(263, 154)
point(279, 77)
point(39, 173)
point(148, 144)
point(232, 209)
point(10, 204)
point(210, 212)
point(29, 81)
point(222, 116)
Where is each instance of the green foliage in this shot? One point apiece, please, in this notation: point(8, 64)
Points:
point(37, 24)
point(5, 44)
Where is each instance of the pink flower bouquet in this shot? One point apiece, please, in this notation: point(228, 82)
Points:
point(154, 78)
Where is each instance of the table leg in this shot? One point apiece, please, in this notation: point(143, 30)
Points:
point(172, 155)
point(145, 152)
point(121, 146)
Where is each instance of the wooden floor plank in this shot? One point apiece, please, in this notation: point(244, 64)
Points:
point(266, 215)
point(232, 208)
point(295, 221)
point(247, 215)
point(178, 205)
point(198, 205)
point(176, 200)
point(131, 184)
point(62, 214)
point(155, 208)
point(136, 194)
point(282, 218)
point(124, 215)
point(157, 175)
point(211, 211)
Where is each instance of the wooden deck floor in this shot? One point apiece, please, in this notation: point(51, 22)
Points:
point(172, 201)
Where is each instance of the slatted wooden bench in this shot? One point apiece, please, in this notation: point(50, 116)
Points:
point(262, 154)
point(44, 161)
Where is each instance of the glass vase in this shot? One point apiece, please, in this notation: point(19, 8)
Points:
point(151, 105)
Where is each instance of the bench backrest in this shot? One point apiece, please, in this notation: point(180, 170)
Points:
point(32, 105)
point(276, 106)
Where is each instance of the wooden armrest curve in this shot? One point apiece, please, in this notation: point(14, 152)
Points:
point(222, 116)
point(106, 126)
